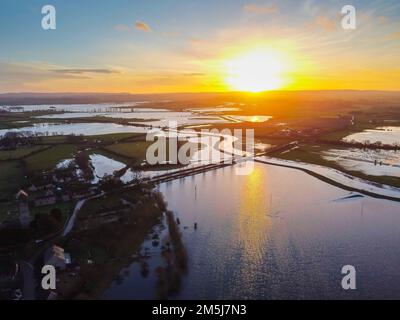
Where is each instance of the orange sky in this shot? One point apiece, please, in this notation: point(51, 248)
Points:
point(293, 45)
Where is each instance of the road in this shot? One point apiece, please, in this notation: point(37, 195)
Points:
point(70, 224)
point(71, 221)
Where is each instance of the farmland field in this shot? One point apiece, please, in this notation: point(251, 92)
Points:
point(48, 159)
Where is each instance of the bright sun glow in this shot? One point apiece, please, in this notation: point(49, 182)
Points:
point(255, 119)
point(256, 71)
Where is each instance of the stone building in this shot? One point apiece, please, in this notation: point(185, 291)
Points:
point(23, 207)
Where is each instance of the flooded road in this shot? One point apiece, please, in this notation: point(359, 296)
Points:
point(262, 236)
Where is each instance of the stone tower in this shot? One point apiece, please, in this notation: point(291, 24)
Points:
point(24, 213)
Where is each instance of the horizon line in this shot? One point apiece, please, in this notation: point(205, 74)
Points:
point(196, 92)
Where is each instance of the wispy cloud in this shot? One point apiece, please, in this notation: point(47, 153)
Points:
point(83, 71)
point(142, 26)
point(31, 75)
point(258, 9)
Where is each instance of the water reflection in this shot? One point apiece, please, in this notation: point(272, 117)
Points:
point(87, 129)
point(278, 233)
point(385, 135)
point(253, 222)
point(371, 162)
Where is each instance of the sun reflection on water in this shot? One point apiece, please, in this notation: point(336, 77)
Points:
point(254, 222)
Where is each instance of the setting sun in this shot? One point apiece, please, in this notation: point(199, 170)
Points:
point(255, 119)
point(255, 71)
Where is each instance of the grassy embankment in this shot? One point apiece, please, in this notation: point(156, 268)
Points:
point(169, 279)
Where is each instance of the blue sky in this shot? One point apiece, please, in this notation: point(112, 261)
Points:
point(183, 37)
point(87, 24)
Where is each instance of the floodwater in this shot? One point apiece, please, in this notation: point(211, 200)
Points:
point(254, 118)
point(149, 118)
point(215, 109)
point(89, 107)
point(277, 233)
point(181, 120)
point(386, 135)
point(102, 166)
point(371, 162)
point(87, 129)
point(139, 114)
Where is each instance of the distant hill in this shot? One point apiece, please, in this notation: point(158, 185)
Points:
point(63, 98)
point(78, 98)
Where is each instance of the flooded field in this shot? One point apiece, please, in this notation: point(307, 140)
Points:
point(372, 162)
point(224, 108)
point(269, 239)
point(385, 135)
point(151, 118)
point(138, 114)
point(103, 166)
point(96, 107)
point(87, 129)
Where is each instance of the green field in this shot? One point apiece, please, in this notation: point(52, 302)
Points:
point(47, 160)
point(113, 137)
point(106, 138)
point(54, 139)
point(133, 150)
point(20, 152)
point(8, 122)
point(11, 179)
point(134, 153)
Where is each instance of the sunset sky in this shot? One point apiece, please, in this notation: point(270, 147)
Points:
point(198, 45)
